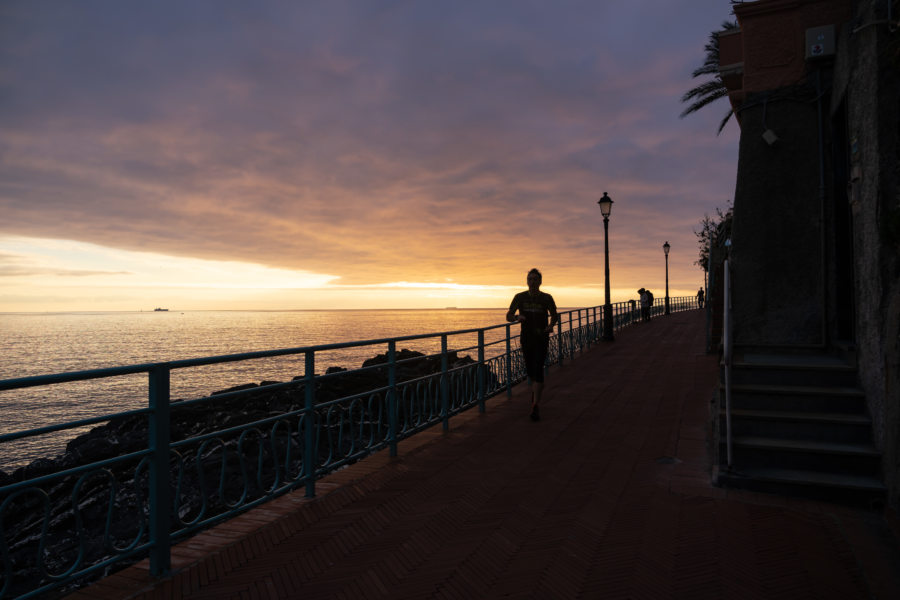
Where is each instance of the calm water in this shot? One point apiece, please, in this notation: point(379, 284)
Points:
point(40, 344)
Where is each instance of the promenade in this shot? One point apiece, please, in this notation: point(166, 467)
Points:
point(608, 496)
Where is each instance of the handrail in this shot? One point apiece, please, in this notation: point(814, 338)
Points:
point(180, 481)
point(727, 344)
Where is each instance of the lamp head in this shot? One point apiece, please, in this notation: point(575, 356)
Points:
point(666, 248)
point(605, 205)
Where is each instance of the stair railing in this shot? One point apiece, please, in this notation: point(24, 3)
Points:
point(727, 343)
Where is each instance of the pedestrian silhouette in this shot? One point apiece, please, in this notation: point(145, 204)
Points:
point(534, 307)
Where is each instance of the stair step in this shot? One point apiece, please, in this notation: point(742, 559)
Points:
point(801, 390)
point(797, 398)
point(848, 488)
point(819, 478)
point(793, 361)
point(801, 425)
point(813, 446)
point(857, 457)
point(802, 369)
point(802, 416)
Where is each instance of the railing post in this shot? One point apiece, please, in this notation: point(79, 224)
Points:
point(571, 337)
point(587, 326)
point(445, 385)
point(559, 340)
point(392, 397)
point(580, 333)
point(508, 364)
point(309, 425)
point(480, 374)
point(160, 486)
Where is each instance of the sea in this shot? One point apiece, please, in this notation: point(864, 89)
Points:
point(48, 343)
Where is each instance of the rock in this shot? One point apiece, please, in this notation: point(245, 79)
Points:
point(237, 388)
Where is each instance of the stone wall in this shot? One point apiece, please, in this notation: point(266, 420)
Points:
point(868, 83)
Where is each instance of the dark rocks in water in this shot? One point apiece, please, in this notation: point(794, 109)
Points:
point(37, 468)
point(412, 365)
point(237, 388)
point(97, 444)
point(403, 355)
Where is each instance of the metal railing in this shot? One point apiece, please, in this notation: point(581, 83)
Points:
point(727, 351)
point(187, 465)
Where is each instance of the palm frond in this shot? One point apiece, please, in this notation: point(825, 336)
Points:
point(698, 105)
point(725, 120)
point(709, 91)
point(714, 87)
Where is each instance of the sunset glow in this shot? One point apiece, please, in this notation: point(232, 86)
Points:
point(350, 155)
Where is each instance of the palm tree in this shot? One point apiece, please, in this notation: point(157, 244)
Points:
point(712, 90)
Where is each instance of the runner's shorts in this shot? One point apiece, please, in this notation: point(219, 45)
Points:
point(534, 348)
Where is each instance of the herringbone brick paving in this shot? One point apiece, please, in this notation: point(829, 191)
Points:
point(608, 496)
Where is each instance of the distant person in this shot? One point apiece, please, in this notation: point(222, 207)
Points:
point(537, 315)
point(700, 297)
point(645, 304)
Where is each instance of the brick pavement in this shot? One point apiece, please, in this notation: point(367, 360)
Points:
point(608, 496)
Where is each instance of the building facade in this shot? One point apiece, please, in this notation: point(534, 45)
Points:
point(815, 86)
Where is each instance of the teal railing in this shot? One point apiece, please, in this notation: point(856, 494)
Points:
point(180, 467)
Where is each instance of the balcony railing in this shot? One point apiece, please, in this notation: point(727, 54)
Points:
point(176, 468)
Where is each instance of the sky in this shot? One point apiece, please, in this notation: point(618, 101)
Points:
point(351, 153)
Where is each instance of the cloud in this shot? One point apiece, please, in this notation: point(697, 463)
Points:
point(370, 141)
point(13, 265)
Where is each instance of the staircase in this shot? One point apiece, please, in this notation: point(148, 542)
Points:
point(800, 428)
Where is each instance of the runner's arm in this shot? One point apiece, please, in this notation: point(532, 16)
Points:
point(554, 316)
point(511, 313)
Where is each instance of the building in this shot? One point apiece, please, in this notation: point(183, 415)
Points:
point(815, 254)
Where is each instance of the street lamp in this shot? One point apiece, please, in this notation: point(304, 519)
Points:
point(666, 251)
point(605, 208)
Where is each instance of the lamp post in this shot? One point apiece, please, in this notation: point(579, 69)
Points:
point(666, 247)
point(605, 208)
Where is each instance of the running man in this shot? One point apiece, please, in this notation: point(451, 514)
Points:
point(534, 307)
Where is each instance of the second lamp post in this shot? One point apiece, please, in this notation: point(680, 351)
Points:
point(605, 208)
point(666, 251)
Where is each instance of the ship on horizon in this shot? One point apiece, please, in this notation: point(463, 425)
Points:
point(160, 310)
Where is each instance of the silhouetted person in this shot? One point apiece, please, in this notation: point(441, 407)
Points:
point(537, 315)
point(645, 304)
point(700, 297)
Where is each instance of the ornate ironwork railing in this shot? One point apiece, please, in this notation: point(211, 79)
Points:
point(176, 467)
